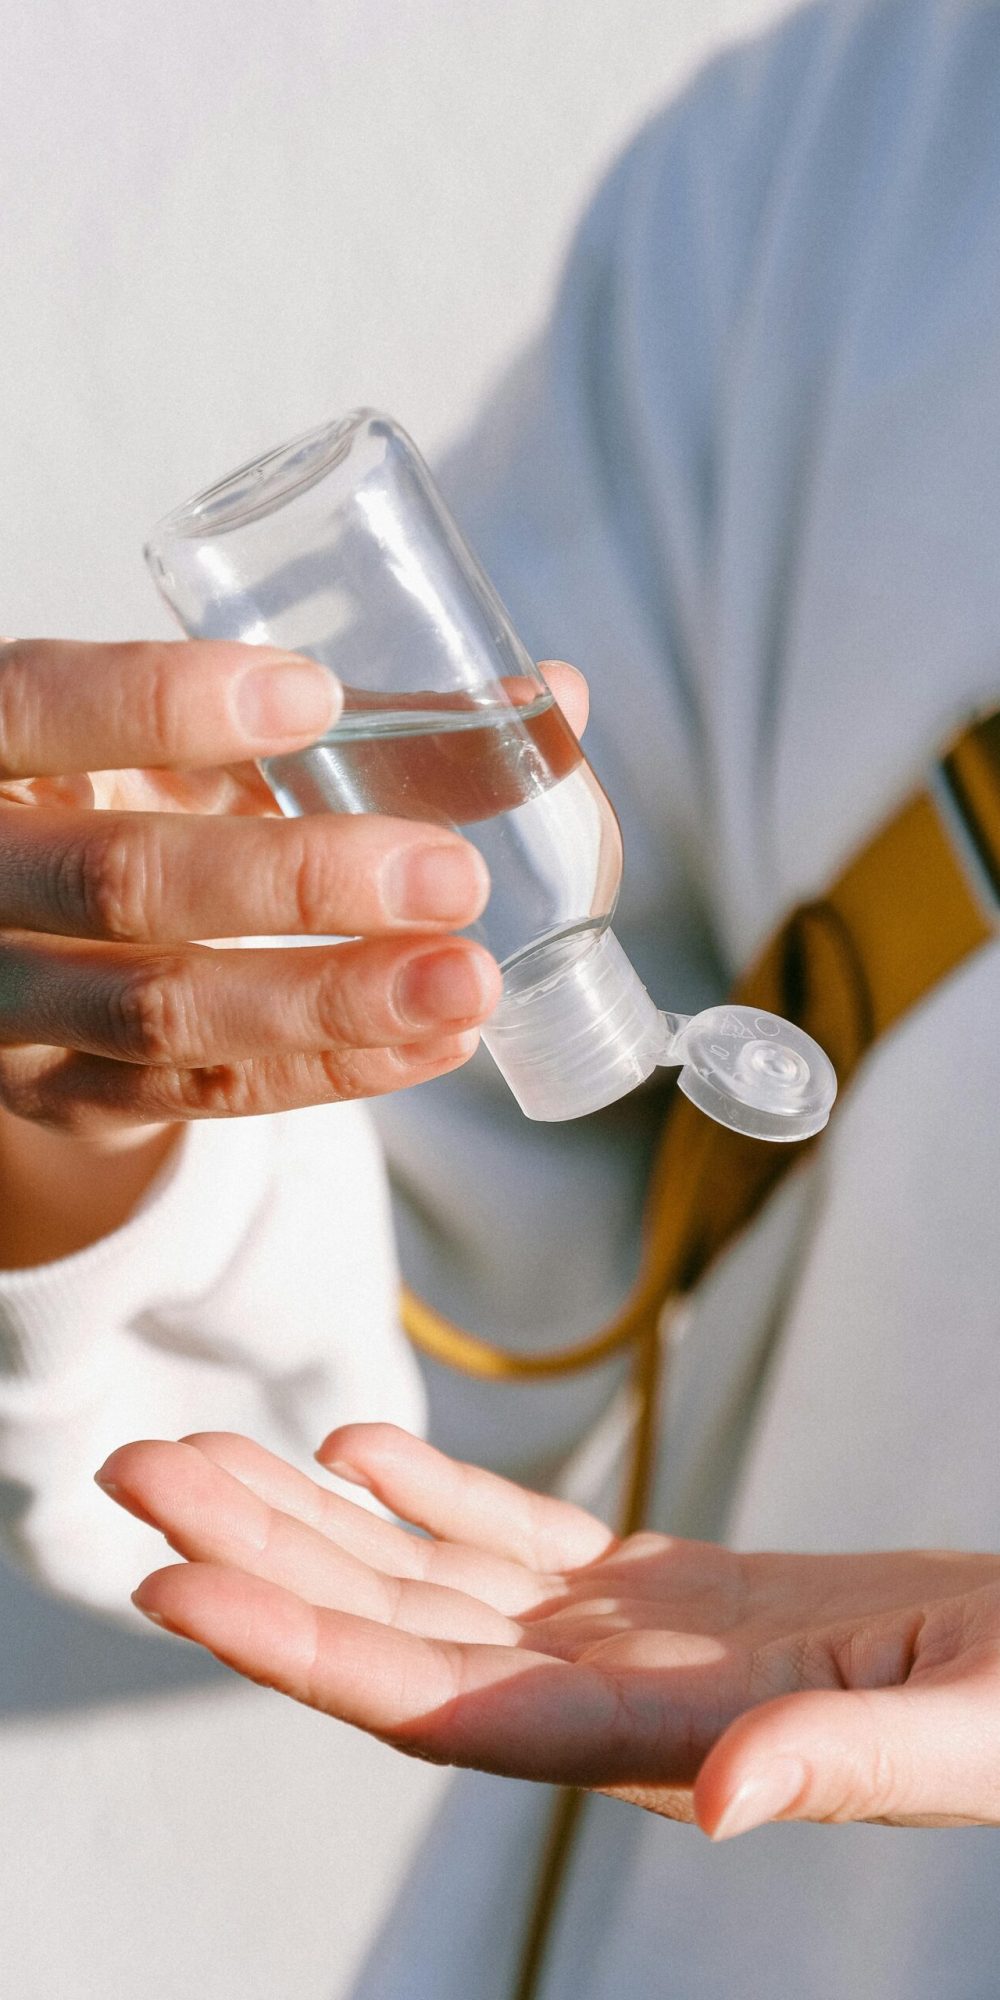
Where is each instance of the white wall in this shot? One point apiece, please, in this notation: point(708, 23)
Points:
point(221, 222)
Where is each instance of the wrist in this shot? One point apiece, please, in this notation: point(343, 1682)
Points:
point(59, 1194)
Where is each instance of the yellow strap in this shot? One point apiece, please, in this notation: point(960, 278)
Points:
point(903, 914)
point(972, 768)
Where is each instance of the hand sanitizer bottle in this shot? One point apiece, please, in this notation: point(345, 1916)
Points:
point(340, 546)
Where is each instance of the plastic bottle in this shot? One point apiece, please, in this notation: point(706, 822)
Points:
point(340, 546)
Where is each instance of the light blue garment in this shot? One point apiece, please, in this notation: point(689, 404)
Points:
point(752, 486)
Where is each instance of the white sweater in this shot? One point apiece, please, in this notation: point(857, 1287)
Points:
point(254, 1288)
point(752, 485)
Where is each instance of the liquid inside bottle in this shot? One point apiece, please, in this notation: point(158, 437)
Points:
point(508, 774)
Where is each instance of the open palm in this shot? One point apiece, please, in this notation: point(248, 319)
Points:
point(517, 1634)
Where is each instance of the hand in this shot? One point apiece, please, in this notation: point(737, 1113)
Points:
point(519, 1635)
point(112, 1020)
point(98, 909)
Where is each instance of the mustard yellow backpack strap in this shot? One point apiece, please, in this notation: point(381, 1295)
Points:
point(907, 909)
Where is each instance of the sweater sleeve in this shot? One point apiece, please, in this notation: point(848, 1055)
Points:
point(254, 1289)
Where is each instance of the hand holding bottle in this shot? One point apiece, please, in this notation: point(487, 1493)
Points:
point(340, 545)
point(133, 822)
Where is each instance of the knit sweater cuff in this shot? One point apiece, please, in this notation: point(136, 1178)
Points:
point(54, 1317)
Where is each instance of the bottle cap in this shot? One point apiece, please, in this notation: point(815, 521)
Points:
point(755, 1073)
point(575, 1028)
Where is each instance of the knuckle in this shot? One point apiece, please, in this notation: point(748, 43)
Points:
point(880, 1786)
point(158, 687)
point(852, 1773)
point(864, 1789)
point(340, 1075)
point(347, 1073)
point(18, 711)
point(314, 886)
point(335, 1018)
point(224, 1090)
point(110, 880)
point(150, 1012)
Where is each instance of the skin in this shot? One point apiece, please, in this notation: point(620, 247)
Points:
point(519, 1635)
point(133, 822)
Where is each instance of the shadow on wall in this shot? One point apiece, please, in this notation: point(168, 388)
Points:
point(54, 1656)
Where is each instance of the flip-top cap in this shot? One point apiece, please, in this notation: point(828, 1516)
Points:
point(755, 1073)
point(575, 1028)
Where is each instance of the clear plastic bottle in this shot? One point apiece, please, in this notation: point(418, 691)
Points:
point(340, 546)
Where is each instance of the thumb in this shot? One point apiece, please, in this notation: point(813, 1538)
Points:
point(570, 690)
point(909, 1755)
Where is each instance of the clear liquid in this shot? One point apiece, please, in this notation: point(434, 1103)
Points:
point(511, 777)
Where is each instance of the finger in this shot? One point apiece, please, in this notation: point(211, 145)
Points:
point(90, 1096)
point(192, 1006)
point(137, 876)
point(895, 1755)
point(518, 1714)
point(462, 1502)
point(236, 790)
point(570, 690)
point(71, 707)
point(209, 1516)
point(508, 1586)
point(914, 1737)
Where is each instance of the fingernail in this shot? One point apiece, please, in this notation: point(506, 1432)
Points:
point(348, 1472)
point(762, 1798)
point(287, 697)
point(438, 883)
point(443, 986)
point(153, 1616)
point(109, 1486)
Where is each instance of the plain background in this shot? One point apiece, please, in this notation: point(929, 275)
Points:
point(366, 200)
